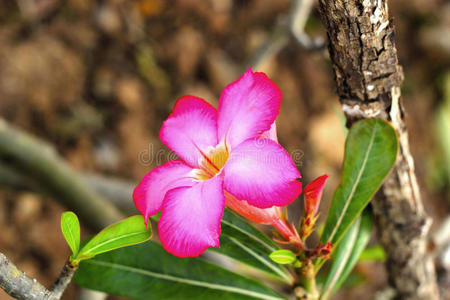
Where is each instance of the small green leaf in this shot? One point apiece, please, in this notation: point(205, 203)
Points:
point(370, 153)
point(375, 253)
point(70, 227)
point(147, 271)
point(124, 233)
point(283, 257)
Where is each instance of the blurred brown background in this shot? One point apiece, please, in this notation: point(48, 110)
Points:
point(97, 78)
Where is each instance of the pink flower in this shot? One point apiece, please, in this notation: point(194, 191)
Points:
point(224, 151)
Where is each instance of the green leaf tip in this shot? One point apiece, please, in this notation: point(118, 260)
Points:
point(70, 227)
point(283, 256)
point(370, 154)
point(125, 233)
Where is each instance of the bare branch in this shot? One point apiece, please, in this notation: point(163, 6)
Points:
point(368, 79)
point(65, 277)
point(280, 35)
point(50, 173)
point(300, 14)
point(18, 285)
point(115, 190)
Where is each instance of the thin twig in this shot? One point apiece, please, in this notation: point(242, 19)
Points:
point(300, 14)
point(65, 277)
point(279, 37)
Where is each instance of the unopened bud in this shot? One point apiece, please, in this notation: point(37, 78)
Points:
point(313, 194)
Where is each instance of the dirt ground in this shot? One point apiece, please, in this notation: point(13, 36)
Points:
point(97, 78)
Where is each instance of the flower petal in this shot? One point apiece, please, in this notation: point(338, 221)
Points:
point(190, 129)
point(313, 194)
point(262, 172)
point(149, 194)
point(190, 219)
point(271, 133)
point(265, 216)
point(247, 107)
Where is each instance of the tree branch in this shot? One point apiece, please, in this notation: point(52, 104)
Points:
point(300, 14)
point(368, 79)
point(18, 285)
point(65, 277)
point(115, 190)
point(50, 173)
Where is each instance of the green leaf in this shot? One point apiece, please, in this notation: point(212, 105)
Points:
point(147, 271)
point(283, 257)
point(347, 253)
point(243, 242)
point(375, 253)
point(124, 233)
point(370, 153)
point(70, 227)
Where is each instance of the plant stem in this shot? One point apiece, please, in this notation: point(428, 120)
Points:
point(307, 289)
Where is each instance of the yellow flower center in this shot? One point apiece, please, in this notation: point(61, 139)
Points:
point(211, 163)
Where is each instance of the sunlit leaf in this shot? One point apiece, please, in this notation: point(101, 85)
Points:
point(124, 233)
point(283, 257)
point(70, 227)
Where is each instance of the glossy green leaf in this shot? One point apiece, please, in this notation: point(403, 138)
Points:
point(347, 253)
point(370, 153)
point(70, 227)
point(147, 271)
point(243, 242)
point(124, 233)
point(283, 257)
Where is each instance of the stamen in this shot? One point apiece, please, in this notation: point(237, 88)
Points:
point(211, 162)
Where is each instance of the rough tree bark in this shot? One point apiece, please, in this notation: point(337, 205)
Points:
point(368, 79)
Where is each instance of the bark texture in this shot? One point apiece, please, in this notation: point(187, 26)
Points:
point(64, 279)
point(18, 285)
point(368, 79)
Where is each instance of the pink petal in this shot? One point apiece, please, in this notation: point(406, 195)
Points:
point(190, 129)
point(247, 107)
point(313, 194)
point(262, 172)
point(271, 133)
point(149, 194)
point(266, 216)
point(190, 219)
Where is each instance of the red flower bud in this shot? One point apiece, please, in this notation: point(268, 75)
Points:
point(313, 194)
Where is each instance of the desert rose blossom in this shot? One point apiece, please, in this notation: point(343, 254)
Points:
point(266, 216)
point(221, 151)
